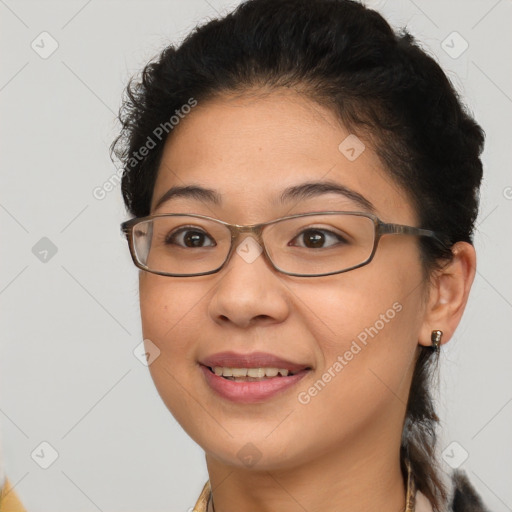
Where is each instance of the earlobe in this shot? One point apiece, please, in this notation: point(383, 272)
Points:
point(448, 294)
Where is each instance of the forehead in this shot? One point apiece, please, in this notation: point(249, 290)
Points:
point(251, 148)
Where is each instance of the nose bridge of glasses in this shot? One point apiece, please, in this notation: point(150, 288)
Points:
point(238, 231)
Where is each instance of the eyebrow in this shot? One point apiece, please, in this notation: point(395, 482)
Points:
point(296, 193)
point(190, 191)
point(318, 188)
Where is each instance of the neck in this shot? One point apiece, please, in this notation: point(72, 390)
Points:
point(352, 479)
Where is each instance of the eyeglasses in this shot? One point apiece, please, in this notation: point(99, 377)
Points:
point(305, 245)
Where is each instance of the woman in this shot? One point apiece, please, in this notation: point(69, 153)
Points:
point(297, 350)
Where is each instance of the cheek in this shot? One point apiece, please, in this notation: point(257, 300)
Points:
point(351, 307)
point(168, 311)
point(170, 315)
point(367, 338)
point(366, 357)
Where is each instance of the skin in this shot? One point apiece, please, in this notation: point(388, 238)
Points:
point(341, 448)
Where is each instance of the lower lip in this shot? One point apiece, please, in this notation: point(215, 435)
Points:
point(250, 391)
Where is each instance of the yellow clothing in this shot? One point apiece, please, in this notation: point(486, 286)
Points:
point(9, 502)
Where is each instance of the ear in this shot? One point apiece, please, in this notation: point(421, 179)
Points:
point(448, 294)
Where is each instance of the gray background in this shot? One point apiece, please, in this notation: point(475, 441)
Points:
point(70, 323)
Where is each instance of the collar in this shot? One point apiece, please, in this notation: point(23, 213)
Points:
point(410, 498)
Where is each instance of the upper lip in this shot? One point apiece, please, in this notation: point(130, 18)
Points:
point(252, 360)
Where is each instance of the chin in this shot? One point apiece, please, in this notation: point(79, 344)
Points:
point(256, 454)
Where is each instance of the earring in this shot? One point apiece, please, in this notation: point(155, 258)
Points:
point(435, 337)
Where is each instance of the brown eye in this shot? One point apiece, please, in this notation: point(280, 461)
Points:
point(316, 238)
point(190, 238)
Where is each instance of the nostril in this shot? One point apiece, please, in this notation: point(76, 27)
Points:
point(261, 317)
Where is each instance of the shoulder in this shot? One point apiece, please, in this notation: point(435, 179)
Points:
point(464, 497)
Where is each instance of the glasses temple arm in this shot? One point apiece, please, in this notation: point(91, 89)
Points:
point(398, 229)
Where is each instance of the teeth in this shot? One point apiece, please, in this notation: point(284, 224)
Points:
point(256, 372)
point(249, 373)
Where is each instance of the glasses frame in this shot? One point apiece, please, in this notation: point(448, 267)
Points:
point(381, 229)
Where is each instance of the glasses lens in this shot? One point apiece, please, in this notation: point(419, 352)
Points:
point(320, 244)
point(181, 244)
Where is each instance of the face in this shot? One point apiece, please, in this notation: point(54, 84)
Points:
point(352, 337)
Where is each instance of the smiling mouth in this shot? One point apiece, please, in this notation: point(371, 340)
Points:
point(251, 374)
point(245, 383)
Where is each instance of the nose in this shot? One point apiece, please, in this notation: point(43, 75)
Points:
point(250, 291)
